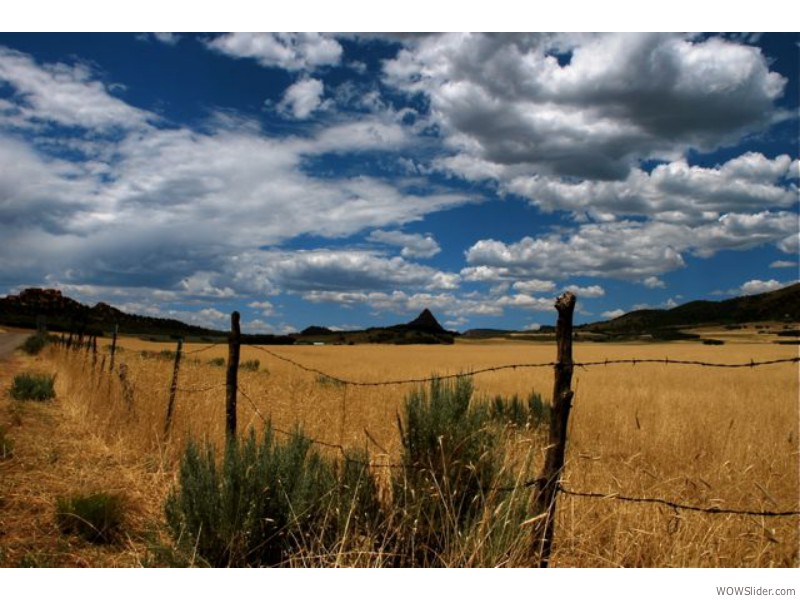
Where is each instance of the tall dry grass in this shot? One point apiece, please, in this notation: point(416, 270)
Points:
point(694, 435)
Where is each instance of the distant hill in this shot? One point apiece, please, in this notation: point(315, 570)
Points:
point(425, 322)
point(779, 305)
point(545, 332)
point(60, 313)
point(57, 312)
point(424, 329)
point(35, 306)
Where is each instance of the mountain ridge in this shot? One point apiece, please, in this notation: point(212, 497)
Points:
point(778, 305)
point(60, 313)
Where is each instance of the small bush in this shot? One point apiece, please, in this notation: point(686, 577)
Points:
point(33, 386)
point(451, 460)
point(265, 500)
point(217, 362)
point(538, 410)
point(326, 381)
point(97, 518)
point(35, 343)
point(533, 413)
point(250, 365)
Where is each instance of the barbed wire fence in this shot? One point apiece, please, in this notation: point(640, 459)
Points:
point(547, 486)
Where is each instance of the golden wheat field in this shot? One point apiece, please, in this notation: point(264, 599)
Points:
point(700, 436)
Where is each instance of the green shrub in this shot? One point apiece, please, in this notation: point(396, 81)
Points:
point(98, 518)
point(33, 386)
point(326, 381)
point(266, 500)
point(451, 458)
point(533, 413)
point(217, 362)
point(35, 343)
point(538, 410)
point(250, 365)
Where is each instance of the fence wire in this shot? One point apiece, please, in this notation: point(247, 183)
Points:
point(551, 364)
point(204, 348)
point(680, 506)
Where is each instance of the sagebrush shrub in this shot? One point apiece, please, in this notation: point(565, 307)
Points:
point(33, 386)
point(35, 343)
point(326, 381)
point(265, 500)
point(450, 459)
point(98, 518)
point(532, 413)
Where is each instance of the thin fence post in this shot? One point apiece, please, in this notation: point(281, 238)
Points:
point(127, 386)
point(231, 381)
point(173, 388)
point(113, 348)
point(545, 502)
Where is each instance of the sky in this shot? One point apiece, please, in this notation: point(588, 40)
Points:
point(351, 180)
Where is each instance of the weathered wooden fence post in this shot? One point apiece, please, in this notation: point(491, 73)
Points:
point(545, 503)
point(231, 381)
point(173, 388)
point(127, 386)
point(113, 348)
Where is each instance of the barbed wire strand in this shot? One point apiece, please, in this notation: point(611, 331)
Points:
point(679, 505)
point(631, 361)
point(197, 390)
point(203, 349)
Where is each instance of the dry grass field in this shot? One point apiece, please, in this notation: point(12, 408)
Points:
point(699, 436)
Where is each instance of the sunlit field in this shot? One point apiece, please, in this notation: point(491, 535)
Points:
point(700, 436)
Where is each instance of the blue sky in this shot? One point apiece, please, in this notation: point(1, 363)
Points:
point(353, 180)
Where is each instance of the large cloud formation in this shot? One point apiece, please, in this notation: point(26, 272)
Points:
point(139, 204)
point(590, 106)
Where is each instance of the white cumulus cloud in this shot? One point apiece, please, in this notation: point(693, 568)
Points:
point(413, 245)
point(302, 98)
point(586, 105)
point(291, 51)
point(63, 94)
point(653, 282)
point(757, 286)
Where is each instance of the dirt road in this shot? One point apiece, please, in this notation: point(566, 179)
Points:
point(10, 342)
